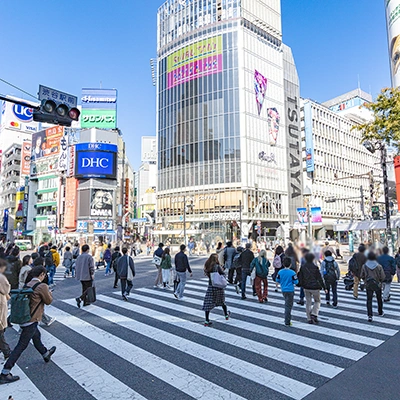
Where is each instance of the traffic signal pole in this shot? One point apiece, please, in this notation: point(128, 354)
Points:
point(20, 103)
point(389, 239)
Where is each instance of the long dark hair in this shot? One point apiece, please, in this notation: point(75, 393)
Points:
point(25, 260)
point(210, 264)
point(166, 251)
point(278, 250)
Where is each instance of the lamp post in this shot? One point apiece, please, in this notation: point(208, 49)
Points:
point(372, 147)
point(307, 193)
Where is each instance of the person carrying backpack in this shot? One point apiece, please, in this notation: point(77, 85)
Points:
point(107, 259)
point(13, 268)
point(261, 264)
point(330, 271)
point(49, 264)
point(67, 261)
point(114, 262)
point(355, 266)
point(374, 275)
point(277, 264)
point(389, 267)
point(40, 296)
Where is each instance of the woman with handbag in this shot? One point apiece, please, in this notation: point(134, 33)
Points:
point(166, 266)
point(215, 295)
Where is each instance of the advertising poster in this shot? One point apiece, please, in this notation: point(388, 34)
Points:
point(101, 204)
point(316, 214)
point(393, 29)
point(302, 216)
point(26, 158)
point(17, 117)
point(199, 59)
point(273, 125)
point(47, 143)
point(260, 89)
point(70, 203)
point(102, 119)
point(310, 166)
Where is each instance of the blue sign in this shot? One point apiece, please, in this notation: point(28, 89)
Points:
point(5, 221)
point(138, 220)
point(99, 99)
point(96, 164)
point(310, 161)
point(24, 114)
point(96, 147)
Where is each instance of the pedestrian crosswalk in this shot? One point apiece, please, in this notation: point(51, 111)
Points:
point(155, 347)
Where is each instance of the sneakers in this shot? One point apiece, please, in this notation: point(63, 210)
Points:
point(328, 303)
point(227, 316)
point(382, 315)
point(311, 322)
point(115, 286)
point(237, 289)
point(207, 323)
point(386, 300)
point(266, 300)
point(369, 319)
point(49, 353)
point(276, 290)
point(124, 297)
point(314, 318)
point(52, 319)
point(355, 297)
point(78, 302)
point(243, 297)
point(8, 379)
point(335, 306)
point(289, 324)
point(300, 302)
point(176, 295)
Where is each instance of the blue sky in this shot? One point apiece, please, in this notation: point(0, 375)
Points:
point(73, 44)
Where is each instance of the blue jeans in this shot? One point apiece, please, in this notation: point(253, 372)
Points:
point(108, 267)
point(182, 283)
point(333, 286)
point(245, 274)
point(30, 332)
point(51, 272)
point(302, 294)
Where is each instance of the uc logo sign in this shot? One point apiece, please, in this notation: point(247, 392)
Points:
point(23, 113)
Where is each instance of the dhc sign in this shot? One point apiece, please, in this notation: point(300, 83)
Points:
point(95, 164)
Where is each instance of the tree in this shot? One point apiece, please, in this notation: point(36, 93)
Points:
point(384, 127)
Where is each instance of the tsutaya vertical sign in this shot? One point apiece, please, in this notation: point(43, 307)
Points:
point(293, 135)
point(393, 29)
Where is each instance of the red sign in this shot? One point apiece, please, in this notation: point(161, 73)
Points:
point(26, 158)
point(397, 173)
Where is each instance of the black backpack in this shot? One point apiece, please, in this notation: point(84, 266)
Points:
point(353, 265)
point(371, 283)
point(330, 272)
point(48, 259)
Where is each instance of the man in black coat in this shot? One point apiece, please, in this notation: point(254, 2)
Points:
point(114, 260)
point(126, 273)
point(246, 259)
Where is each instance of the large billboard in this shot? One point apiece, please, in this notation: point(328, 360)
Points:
point(393, 29)
point(191, 62)
point(71, 187)
point(47, 143)
point(99, 108)
point(26, 157)
point(18, 118)
point(101, 204)
point(308, 127)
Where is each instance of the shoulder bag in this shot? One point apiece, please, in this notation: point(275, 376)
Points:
point(218, 280)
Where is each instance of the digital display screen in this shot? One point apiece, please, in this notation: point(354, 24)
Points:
point(96, 164)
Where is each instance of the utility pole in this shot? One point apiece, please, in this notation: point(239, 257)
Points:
point(240, 219)
point(362, 202)
point(389, 240)
point(184, 220)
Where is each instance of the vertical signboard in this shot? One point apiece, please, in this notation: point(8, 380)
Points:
point(310, 167)
point(393, 29)
point(99, 108)
point(26, 158)
point(70, 203)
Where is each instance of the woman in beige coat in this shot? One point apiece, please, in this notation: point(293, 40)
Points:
point(4, 297)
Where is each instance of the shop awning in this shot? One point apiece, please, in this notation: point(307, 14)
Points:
point(366, 225)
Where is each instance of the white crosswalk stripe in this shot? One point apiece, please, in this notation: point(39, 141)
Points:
point(253, 346)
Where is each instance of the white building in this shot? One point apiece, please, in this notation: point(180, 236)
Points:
point(228, 126)
point(336, 164)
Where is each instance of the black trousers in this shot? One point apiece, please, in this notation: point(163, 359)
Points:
point(370, 296)
point(85, 286)
point(126, 286)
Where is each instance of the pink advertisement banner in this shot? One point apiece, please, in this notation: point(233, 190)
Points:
point(194, 70)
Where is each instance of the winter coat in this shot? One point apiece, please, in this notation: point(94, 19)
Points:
point(361, 259)
point(114, 259)
point(262, 268)
point(12, 271)
point(122, 266)
point(247, 258)
point(389, 266)
point(107, 255)
point(166, 262)
point(84, 267)
point(182, 263)
point(67, 261)
point(5, 288)
point(56, 257)
point(229, 255)
point(335, 266)
point(23, 275)
point(310, 278)
point(372, 269)
point(41, 296)
point(98, 254)
point(221, 253)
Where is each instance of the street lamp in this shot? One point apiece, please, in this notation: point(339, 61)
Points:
point(307, 193)
point(372, 147)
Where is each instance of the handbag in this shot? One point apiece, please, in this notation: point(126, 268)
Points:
point(218, 280)
point(91, 294)
point(157, 261)
point(129, 275)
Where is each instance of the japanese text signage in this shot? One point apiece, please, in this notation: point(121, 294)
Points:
point(106, 119)
point(46, 93)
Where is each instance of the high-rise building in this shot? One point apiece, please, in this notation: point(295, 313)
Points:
point(393, 30)
point(338, 167)
point(228, 126)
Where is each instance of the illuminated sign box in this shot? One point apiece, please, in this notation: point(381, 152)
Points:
point(96, 164)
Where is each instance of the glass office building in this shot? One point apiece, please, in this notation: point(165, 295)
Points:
point(223, 154)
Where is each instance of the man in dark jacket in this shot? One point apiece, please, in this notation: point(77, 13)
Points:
point(229, 254)
point(389, 267)
point(126, 272)
point(246, 259)
point(311, 281)
point(114, 262)
point(13, 268)
point(360, 259)
point(84, 272)
point(373, 275)
point(181, 266)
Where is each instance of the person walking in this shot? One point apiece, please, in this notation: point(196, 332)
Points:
point(277, 263)
point(41, 296)
point(5, 288)
point(291, 253)
point(374, 275)
point(355, 267)
point(84, 270)
point(388, 264)
point(67, 261)
point(311, 280)
point(220, 252)
point(166, 266)
point(13, 268)
point(114, 262)
point(181, 266)
point(26, 267)
point(126, 273)
point(397, 259)
point(287, 278)
point(261, 265)
point(229, 255)
point(157, 258)
point(98, 255)
point(247, 258)
point(331, 273)
point(107, 259)
point(215, 296)
point(302, 295)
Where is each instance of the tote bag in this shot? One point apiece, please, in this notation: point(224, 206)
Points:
point(218, 281)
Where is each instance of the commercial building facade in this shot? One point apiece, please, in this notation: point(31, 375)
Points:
point(229, 142)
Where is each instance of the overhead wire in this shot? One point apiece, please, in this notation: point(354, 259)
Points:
point(16, 87)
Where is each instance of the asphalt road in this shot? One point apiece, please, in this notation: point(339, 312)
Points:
point(155, 347)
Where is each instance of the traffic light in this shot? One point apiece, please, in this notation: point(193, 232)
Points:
point(375, 212)
point(56, 113)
